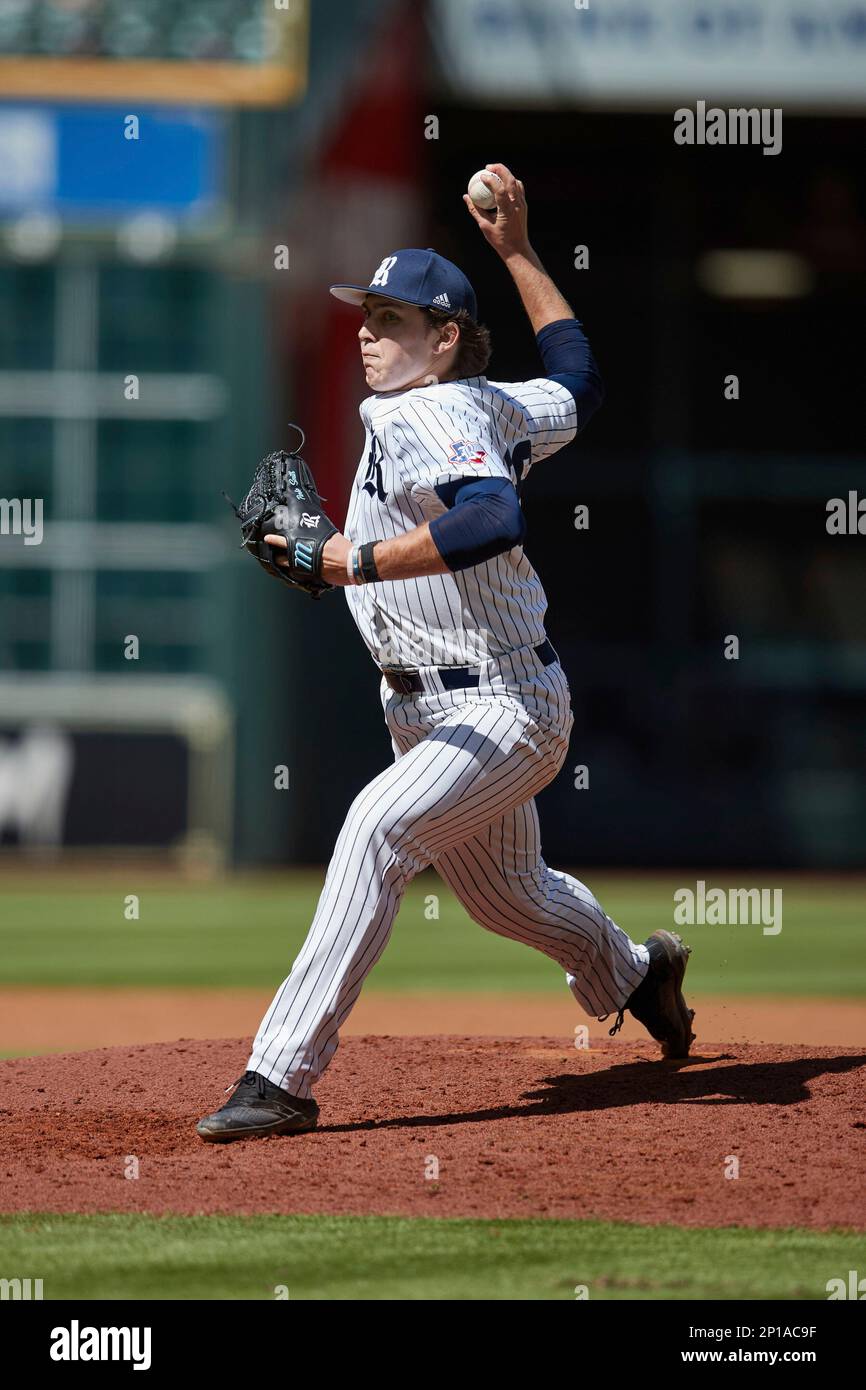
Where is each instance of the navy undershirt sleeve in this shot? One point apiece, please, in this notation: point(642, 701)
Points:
point(568, 359)
point(484, 519)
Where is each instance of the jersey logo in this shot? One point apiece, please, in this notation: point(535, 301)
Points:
point(465, 451)
point(372, 483)
point(381, 276)
point(307, 520)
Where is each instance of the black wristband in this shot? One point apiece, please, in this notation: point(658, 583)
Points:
point(369, 573)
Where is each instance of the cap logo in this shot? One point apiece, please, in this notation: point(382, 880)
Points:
point(443, 301)
point(381, 276)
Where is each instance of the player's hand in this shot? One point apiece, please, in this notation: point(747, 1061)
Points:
point(505, 225)
point(278, 543)
point(334, 557)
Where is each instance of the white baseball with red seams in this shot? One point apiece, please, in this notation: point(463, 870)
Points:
point(480, 189)
point(467, 761)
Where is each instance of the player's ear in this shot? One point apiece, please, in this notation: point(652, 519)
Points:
point(449, 335)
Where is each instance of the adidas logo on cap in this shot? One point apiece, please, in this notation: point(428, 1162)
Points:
point(442, 301)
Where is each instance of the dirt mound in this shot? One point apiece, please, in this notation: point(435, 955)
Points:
point(517, 1126)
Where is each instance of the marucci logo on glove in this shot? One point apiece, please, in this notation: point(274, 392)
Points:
point(307, 520)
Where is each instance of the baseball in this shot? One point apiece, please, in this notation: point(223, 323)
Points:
point(479, 192)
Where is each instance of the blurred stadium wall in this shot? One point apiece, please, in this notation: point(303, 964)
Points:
point(151, 350)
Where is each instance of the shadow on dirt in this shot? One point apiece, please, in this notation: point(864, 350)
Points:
point(645, 1082)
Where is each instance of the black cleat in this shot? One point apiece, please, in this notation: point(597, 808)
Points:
point(658, 1001)
point(255, 1109)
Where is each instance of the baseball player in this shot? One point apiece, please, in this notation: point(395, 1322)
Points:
point(474, 697)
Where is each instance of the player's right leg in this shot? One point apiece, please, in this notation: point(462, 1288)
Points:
point(505, 885)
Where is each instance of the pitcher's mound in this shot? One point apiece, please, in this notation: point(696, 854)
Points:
point(743, 1135)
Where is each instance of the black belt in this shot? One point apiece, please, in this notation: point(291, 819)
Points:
point(454, 677)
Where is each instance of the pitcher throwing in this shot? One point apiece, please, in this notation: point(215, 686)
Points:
point(474, 698)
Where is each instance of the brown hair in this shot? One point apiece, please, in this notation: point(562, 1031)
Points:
point(473, 348)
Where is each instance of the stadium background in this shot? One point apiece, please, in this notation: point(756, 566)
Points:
point(341, 134)
point(707, 516)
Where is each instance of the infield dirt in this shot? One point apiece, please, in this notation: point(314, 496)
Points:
point(517, 1127)
point(73, 1018)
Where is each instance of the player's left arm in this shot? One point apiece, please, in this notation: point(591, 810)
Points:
point(484, 518)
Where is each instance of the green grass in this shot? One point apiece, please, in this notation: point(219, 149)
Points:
point(246, 931)
point(367, 1257)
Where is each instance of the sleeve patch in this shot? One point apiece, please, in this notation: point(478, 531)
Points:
point(466, 451)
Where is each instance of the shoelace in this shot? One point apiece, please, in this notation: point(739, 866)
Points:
point(620, 1018)
point(253, 1076)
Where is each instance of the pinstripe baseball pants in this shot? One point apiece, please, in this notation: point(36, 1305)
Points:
point(459, 795)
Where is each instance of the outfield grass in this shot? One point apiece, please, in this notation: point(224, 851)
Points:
point(246, 931)
point(366, 1257)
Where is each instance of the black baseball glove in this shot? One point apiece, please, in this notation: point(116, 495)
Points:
point(283, 500)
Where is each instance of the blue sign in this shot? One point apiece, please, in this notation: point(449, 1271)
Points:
point(103, 163)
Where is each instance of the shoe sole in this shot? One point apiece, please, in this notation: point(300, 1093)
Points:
point(225, 1136)
point(678, 955)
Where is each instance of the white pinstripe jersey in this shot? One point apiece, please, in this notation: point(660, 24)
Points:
point(430, 435)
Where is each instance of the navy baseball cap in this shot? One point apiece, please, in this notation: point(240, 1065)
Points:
point(416, 277)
